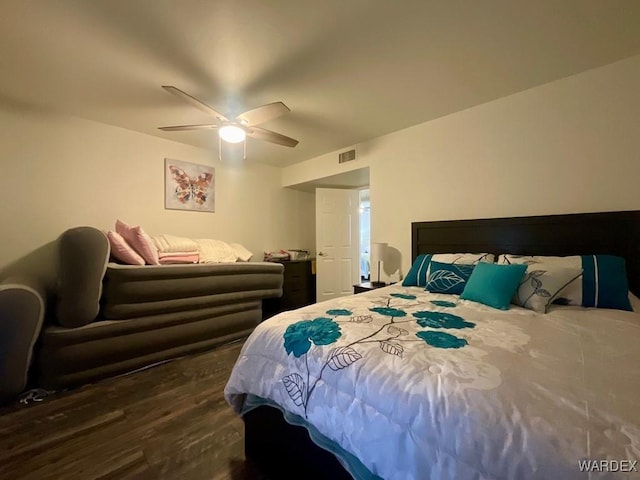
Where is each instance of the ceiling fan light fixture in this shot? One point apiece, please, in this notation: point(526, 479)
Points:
point(232, 133)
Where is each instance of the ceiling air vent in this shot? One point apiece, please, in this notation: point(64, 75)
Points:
point(347, 156)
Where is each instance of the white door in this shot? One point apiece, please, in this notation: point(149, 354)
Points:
point(337, 242)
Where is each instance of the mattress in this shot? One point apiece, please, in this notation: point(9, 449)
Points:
point(403, 384)
point(134, 291)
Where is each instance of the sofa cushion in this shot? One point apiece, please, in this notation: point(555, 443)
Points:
point(84, 253)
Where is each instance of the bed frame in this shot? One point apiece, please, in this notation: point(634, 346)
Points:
point(281, 449)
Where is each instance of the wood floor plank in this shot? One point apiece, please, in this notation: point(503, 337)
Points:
point(28, 444)
point(78, 458)
point(169, 421)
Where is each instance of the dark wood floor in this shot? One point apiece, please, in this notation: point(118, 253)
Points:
point(168, 422)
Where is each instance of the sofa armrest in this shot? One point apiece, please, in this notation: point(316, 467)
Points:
point(22, 307)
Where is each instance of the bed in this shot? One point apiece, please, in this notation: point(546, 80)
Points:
point(400, 383)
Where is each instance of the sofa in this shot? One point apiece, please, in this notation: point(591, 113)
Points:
point(106, 319)
point(21, 315)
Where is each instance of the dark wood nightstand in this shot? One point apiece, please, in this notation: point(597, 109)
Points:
point(298, 288)
point(366, 286)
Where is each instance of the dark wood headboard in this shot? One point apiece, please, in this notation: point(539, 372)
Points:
point(614, 233)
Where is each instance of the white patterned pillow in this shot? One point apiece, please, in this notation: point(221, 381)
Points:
point(572, 294)
point(603, 283)
point(542, 284)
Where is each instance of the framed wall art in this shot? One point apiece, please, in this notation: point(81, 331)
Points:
point(188, 186)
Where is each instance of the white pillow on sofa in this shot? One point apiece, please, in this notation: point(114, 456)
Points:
point(242, 253)
point(215, 251)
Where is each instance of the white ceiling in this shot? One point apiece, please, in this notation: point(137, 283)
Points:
point(349, 70)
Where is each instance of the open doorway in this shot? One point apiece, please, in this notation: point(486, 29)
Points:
point(365, 235)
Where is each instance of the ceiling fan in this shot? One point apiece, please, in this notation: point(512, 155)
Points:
point(237, 129)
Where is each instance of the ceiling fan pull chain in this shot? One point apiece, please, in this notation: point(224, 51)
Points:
point(244, 149)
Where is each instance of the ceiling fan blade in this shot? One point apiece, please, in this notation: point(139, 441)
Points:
point(195, 102)
point(269, 136)
point(188, 127)
point(263, 114)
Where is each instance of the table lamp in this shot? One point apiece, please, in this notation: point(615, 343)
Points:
point(378, 252)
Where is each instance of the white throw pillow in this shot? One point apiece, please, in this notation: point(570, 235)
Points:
point(572, 293)
point(215, 251)
point(542, 284)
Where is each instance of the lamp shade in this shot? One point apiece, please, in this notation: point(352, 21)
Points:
point(378, 252)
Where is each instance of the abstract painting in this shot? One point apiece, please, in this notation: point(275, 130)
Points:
point(188, 186)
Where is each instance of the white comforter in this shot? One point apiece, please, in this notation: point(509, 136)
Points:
point(454, 389)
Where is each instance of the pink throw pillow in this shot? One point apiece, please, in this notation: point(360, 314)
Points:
point(139, 241)
point(121, 251)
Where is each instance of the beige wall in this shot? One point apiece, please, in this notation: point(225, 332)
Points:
point(60, 172)
point(321, 167)
point(569, 146)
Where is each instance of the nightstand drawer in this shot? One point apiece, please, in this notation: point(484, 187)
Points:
point(297, 268)
point(295, 299)
point(292, 281)
point(295, 288)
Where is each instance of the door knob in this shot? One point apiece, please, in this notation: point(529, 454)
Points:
point(322, 254)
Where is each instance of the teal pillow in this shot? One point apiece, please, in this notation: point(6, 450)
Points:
point(604, 282)
point(448, 277)
point(417, 276)
point(493, 284)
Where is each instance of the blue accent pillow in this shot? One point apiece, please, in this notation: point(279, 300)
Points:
point(417, 276)
point(604, 282)
point(448, 277)
point(493, 284)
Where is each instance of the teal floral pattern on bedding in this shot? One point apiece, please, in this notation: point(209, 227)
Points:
point(320, 331)
point(385, 329)
point(441, 320)
point(443, 303)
